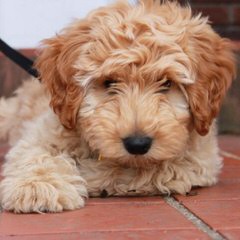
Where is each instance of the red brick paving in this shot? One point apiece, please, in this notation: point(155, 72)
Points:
point(124, 235)
point(219, 206)
point(230, 143)
point(231, 234)
point(132, 218)
point(140, 218)
point(221, 214)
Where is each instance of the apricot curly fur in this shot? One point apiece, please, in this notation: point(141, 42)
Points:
point(167, 73)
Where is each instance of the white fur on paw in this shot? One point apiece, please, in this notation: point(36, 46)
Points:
point(39, 196)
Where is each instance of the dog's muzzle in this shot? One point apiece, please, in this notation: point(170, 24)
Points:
point(137, 145)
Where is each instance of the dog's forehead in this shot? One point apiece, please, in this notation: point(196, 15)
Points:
point(127, 39)
point(137, 60)
point(127, 23)
point(135, 27)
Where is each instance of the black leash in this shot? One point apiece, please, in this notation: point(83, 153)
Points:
point(18, 58)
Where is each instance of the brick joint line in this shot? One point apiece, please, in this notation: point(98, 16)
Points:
point(230, 155)
point(199, 223)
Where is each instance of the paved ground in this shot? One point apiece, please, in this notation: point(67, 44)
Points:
point(209, 213)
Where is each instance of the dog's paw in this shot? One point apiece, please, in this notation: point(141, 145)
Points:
point(21, 196)
point(184, 185)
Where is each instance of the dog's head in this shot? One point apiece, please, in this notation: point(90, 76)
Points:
point(137, 80)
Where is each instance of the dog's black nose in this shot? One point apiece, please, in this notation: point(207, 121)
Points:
point(137, 144)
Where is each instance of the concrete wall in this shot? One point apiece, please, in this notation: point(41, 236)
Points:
point(23, 23)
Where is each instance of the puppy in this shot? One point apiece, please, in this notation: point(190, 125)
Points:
point(134, 91)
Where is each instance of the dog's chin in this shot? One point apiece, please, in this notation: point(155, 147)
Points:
point(135, 161)
point(139, 162)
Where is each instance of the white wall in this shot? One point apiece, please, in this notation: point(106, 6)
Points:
point(24, 23)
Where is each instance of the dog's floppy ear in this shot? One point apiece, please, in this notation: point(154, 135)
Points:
point(56, 67)
point(214, 65)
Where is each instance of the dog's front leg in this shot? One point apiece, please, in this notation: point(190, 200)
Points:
point(37, 181)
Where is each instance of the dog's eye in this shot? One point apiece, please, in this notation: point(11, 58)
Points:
point(109, 82)
point(165, 86)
